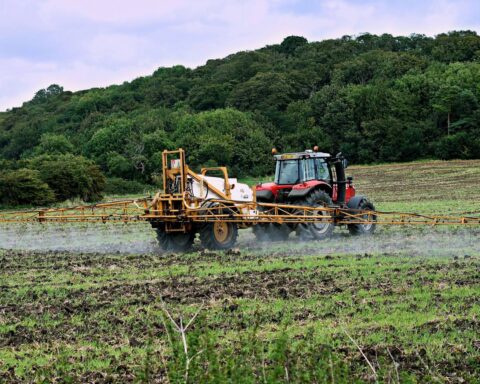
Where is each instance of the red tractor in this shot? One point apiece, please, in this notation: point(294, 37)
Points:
point(310, 178)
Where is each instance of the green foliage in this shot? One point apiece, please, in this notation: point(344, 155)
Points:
point(249, 357)
point(375, 98)
point(224, 136)
point(118, 186)
point(459, 145)
point(44, 94)
point(70, 176)
point(118, 165)
point(24, 187)
point(290, 44)
point(53, 144)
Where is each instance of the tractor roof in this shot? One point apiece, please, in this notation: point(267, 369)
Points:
point(301, 155)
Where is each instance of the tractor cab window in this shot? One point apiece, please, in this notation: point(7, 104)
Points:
point(287, 172)
point(308, 167)
point(323, 172)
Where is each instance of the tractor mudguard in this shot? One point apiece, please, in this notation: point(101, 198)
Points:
point(297, 193)
point(302, 190)
point(356, 201)
point(265, 195)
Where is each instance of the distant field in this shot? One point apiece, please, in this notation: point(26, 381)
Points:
point(92, 304)
point(450, 186)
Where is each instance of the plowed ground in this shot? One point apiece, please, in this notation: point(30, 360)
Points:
point(401, 306)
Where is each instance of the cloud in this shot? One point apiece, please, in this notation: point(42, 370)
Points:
point(85, 43)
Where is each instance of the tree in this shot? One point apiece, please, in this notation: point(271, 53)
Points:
point(456, 46)
point(225, 137)
point(70, 176)
point(209, 96)
point(45, 94)
point(290, 44)
point(53, 144)
point(269, 93)
point(24, 187)
point(118, 165)
point(460, 145)
point(453, 101)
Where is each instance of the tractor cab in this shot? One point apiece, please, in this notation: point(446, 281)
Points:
point(297, 168)
point(298, 174)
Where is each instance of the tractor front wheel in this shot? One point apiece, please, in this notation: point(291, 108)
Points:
point(179, 242)
point(219, 235)
point(319, 230)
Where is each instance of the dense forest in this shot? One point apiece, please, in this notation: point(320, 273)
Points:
point(374, 98)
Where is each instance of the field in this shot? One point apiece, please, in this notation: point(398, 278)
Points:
point(103, 304)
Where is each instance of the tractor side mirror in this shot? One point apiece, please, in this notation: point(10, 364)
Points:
point(345, 163)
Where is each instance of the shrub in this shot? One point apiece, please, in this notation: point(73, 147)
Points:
point(458, 146)
point(24, 186)
point(70, 176)
point(118, 165)
point(118, 186)
point(53, 144)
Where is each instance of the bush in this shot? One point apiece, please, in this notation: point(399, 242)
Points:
point(70, 176)
point(24, 186)
point(118, 186)
point(118, 165)
point(458, 146)
point(53, 144)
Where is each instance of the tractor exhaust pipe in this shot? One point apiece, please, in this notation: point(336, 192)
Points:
point(341, 181)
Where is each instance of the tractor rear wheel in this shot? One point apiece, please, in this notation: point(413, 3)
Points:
point(319, 230)
point(180, 242)
point(271, 231)
point(364, 229)
point(219, 235)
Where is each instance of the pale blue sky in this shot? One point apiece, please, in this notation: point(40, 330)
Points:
point(92, 43)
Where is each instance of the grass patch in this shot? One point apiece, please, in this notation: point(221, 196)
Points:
point(401, 306)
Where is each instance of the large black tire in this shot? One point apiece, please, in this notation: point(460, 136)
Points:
point(320, 230)
point(218, 234)
point(364, 229)
point(271, 231)
point(177, 242)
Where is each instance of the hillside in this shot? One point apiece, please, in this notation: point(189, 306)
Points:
point(375, 98)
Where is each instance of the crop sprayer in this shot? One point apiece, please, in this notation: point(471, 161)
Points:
point(310, 195)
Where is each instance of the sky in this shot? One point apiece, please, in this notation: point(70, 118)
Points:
point(80, 44)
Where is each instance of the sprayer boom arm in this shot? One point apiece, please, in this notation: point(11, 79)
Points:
point(245, 213)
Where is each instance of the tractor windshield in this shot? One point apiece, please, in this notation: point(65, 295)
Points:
point(287, 172)
point(294, 171)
